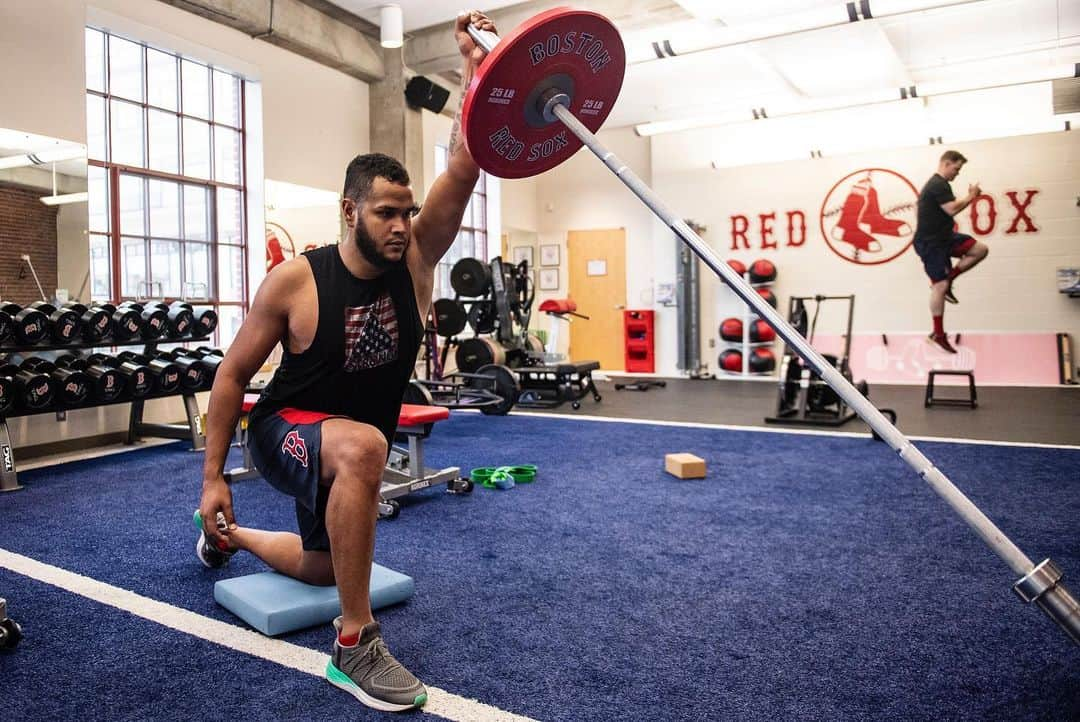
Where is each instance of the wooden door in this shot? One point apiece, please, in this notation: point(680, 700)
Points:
point(598, 284)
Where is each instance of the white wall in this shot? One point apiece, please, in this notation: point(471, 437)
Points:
point(582, 194)
point(521, 203)
point(314, 120)
point(43, 85)
point(1013, 291)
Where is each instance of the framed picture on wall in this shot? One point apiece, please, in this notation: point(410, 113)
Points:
point(549, 279)
point(523, 253)
point(549, 255)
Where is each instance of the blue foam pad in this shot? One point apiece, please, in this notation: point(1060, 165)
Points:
point(275, 604)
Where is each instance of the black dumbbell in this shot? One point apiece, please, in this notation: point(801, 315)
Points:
point(96, 321)
point(136, 378)
point(206, 320)
point(209, 356)
point(33, 391)
point(107, 383)
point(126, 323)
point(7, 325)
point(195, 372)
point(154, 319)
point(72, 386)
point(166, 373)
point(180, 320)
point(8, 392)
point(63, 323)
point(30, 325)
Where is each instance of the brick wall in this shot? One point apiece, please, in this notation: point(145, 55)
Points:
point(27, 226)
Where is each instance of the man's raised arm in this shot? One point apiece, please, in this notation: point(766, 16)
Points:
point(437, 224)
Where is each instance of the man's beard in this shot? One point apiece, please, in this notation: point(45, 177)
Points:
point(370, 252)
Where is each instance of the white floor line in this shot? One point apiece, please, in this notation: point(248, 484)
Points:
point(785, 430)
point(440, 702)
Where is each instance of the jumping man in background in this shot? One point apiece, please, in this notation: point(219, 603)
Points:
point(350, 318)
point(937, 243)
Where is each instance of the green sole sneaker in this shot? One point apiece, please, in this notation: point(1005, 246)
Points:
point(342, 681)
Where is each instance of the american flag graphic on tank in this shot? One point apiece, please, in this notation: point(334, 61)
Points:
point(371, 334)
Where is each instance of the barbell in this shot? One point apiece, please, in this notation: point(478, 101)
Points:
point(543, 91)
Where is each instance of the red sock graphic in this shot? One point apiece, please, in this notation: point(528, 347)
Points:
point(939, 325)
point(848, 229)
point(878, 223)
point(348, 640)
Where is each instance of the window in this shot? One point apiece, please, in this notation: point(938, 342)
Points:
point(165, 140)
point(471, 241)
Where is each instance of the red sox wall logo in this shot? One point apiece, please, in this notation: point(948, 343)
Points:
point(295, 447)
point(868, 217)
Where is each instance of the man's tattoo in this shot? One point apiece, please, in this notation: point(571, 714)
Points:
point(456, 142)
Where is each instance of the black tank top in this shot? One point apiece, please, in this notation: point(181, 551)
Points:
point(364, 349)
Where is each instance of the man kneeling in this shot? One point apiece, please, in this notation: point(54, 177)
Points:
point(350, 318)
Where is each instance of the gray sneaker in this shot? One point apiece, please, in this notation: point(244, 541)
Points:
point(209, 555)
point(371, 674)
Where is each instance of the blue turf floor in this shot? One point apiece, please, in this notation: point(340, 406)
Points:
point(808, 577)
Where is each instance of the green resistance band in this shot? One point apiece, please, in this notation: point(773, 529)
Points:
point(503, 477)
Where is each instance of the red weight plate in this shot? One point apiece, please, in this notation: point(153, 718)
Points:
point(576, 51)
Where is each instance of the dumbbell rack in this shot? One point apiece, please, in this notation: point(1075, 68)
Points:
point(137, 428)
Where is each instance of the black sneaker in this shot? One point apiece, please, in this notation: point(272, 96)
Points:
point(941, 341)
point(209, 555)
point(370, 673)
point(949, 294)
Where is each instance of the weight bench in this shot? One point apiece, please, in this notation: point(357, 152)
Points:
point(971, 401)
point(404, 472)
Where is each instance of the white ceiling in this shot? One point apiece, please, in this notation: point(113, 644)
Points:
point(971, 43)
point(418, 13)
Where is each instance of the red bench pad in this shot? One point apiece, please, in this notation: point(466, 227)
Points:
point(416, 414)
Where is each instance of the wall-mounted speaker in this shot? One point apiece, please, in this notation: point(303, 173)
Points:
point(422, 93)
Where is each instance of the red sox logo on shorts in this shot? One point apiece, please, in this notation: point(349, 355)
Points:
point(295, 447)
point(868, 217)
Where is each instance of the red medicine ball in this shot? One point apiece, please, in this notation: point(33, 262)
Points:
point(762, 271)
point(762, 360)
point(761, 332)
point(731, 329)
point(768, 295)
point(731, 360)
point(739, 266)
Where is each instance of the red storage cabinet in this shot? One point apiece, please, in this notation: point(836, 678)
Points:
point(639, 333)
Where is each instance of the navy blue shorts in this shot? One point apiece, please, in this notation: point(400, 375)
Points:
point(937, 257)
point(285, 448)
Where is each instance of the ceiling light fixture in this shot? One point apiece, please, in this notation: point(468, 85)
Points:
point(59, 200)
point(391, 26)
point(929, 89)
point(65, 198)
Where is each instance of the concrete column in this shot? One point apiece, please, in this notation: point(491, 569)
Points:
point(396, 129)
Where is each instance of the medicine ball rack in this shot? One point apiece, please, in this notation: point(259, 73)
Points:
point(746, 346)
point(201, 376)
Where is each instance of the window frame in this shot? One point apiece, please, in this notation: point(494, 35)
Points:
point(113, 172)
point(480, 190)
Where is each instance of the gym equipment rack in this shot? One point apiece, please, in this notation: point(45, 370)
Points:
point(137, 428)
